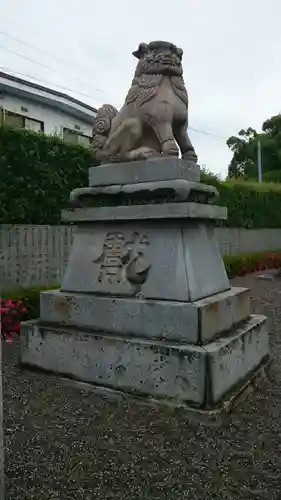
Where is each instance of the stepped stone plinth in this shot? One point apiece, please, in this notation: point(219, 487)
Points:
point(145, 306)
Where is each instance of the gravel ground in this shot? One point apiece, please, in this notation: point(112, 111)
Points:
point(64, 443)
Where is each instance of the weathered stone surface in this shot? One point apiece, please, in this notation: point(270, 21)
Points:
point(33, 255)
point(176, 190)
point(198, 375)
point(221, 312)
point(232, 358)
point(150, 170)
point(170, 261)
point(191, 322)
point(205, 271)
point(152, 319)
point(165, 211)
point(159, 369)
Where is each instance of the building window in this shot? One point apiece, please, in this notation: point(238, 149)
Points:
point(13, 120)
point(83, 140)
point(34, 125)
point(18, 121)
point(74, 137)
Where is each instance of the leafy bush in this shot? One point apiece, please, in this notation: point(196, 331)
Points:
point(239, 265)
point(30, 298)
point(208, 177)
point(250, 204)
point(272, 176)
point(37, 174)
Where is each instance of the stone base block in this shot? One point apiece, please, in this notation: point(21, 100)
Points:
point(201, 376)
point(190, 322)
point(214, 417)
point(150, 170)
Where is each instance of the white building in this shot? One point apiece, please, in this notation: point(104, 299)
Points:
point(27, 105)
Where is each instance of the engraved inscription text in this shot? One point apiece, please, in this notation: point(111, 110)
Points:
point(118, 256)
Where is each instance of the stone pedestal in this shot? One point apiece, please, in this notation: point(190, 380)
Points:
point(145, 305)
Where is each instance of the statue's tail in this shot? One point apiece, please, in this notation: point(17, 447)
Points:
point(102, 126)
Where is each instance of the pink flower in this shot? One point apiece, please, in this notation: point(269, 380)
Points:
point(12, 312)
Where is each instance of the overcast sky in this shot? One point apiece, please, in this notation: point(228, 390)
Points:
point(84, 48)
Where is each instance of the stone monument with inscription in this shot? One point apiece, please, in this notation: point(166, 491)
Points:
point(145, 305)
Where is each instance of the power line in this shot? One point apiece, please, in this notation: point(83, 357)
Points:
point(46, 67)
point(52, 56)
point(204, 132)
point(45, 81)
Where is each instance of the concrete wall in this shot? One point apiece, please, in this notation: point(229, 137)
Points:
point(234, 240)
point(38, 254)
point(33, 254)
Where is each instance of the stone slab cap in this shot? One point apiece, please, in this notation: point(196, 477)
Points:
point(183, 210)
point(150, 170)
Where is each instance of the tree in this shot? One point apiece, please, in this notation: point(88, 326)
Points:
point(245, 146)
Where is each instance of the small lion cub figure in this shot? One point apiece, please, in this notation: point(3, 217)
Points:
point(154, 116)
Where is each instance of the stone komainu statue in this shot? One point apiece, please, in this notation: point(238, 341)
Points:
point(155, 113)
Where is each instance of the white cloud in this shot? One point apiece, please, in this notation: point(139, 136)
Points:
point(231, 55)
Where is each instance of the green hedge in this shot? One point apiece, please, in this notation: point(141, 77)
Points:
point(37, 174)
point(208, 177)
point(236, 265)
point(250, 204)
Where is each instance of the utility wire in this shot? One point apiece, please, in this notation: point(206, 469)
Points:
point(48, 54)
point(11, 71)
point(203, 132)
point(45, 66)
